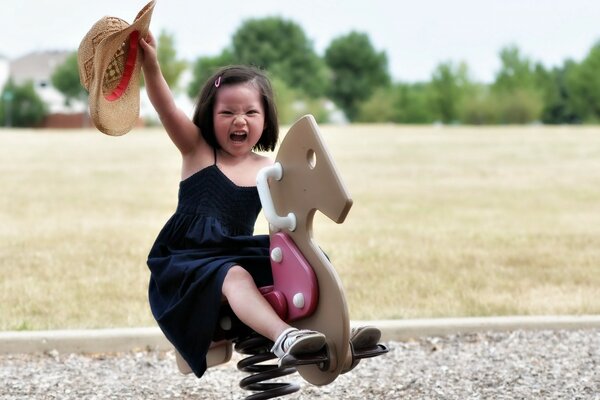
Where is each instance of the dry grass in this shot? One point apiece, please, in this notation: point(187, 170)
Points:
point(446, 222)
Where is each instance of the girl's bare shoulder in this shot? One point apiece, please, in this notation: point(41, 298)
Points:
point(262, 160)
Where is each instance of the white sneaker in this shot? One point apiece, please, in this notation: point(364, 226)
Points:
point(294, 342)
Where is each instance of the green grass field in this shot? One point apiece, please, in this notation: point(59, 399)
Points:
point(446, 222)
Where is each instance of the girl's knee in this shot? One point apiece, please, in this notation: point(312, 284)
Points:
point(237, 273)
point(236, 276)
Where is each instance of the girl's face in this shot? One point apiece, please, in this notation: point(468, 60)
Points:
point(239, 118)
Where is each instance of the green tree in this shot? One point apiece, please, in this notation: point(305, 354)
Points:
point(281, 47)
point(450, 85)
point(414, 103)
point(65, 79)
point(557, 97)
point(520, 106)
point(21, 106)
point(583, 85)
point(357, 71)
point(516, 86)
point(170, 66)
point(516, 71)
point(404, 103)
point(381, 107)
point(479, 107)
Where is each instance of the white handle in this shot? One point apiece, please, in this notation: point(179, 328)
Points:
point(275, 171)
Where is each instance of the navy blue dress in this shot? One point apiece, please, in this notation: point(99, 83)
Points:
point(211, 231)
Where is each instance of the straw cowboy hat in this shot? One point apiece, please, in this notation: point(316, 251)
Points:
point(109, 68)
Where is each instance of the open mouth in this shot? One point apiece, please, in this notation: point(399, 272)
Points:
point(238, 136)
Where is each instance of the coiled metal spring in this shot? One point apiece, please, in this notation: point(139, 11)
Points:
point(259, 349)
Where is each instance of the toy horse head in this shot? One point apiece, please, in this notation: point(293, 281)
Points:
point(309, 180)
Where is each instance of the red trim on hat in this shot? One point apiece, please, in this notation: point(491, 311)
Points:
point(129, 66)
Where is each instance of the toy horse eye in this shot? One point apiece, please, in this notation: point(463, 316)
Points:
point(311, 157)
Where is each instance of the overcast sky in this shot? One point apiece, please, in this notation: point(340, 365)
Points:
point(415, 34)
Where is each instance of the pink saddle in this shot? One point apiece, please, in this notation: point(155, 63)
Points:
point(295, 293)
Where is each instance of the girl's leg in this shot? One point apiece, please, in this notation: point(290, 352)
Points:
point(250, 306)
point(252, 309)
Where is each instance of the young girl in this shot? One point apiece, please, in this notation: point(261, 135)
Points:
point(206, 253)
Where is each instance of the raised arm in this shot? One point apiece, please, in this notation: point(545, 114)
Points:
point(182, 131)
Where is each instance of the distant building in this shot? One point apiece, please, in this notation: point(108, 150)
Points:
point(38, 68)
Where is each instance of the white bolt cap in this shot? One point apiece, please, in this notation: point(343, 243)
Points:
point(277, 254)
point(298, 300)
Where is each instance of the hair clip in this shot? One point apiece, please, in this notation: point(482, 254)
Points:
point(218, 82)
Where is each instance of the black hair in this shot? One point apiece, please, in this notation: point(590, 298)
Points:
point(231, 75)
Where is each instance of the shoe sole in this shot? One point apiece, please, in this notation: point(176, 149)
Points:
point(365, 337)
point(307, 345)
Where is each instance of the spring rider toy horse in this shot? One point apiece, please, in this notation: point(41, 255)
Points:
point(306, 290)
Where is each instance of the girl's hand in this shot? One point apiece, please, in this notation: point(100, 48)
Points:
point(148, 46)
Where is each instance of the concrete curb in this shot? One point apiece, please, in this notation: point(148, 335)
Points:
point(82, 340)
point(126, 339)
point(414, 328)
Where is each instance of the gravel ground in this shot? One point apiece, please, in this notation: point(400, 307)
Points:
point(511, 365)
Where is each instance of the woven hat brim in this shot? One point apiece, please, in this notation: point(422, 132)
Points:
point(119, 115)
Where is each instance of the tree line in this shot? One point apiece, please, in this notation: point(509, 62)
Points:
point(355, 77)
